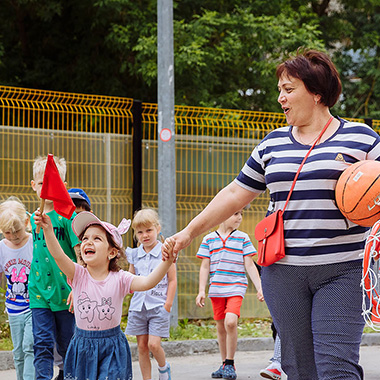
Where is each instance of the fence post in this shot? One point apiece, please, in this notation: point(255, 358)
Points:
point(136, 157)
point(369, 122)
point(166, 127)
point(107, 141)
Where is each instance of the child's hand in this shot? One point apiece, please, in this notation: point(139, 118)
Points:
point(168, 252)
point(200, 300)
point(260, 296)
point(42, 220)
point(70, 302)
point(167, 308)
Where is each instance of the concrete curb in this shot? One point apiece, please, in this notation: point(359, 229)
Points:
point(199, 347)
point(6, 360)
point(210, 346)
point(372, 339)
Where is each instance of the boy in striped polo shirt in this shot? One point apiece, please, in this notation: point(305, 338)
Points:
point(226, 255)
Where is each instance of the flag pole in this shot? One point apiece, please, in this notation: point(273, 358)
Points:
point(42, 206)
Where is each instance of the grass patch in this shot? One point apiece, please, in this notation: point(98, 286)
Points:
point(368, 330)
point(198, 329)
point(194, 330)
point(5, 337)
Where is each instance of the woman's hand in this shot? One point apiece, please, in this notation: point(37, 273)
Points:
point(174, 244)
point(169, 250)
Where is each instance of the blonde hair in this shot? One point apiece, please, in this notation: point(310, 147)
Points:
point(13, 215)
point(39, 166)
point(145, 217)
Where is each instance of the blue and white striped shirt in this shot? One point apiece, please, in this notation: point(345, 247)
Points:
point(316, 232)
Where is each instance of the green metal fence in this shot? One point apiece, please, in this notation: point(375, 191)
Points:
point(94, 134)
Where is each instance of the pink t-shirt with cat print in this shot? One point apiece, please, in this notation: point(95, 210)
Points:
point(98, 304)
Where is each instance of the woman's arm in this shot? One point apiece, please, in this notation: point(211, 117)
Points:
point(253, 274)
point(62, 260)
point(172, 286)
point(229, 200)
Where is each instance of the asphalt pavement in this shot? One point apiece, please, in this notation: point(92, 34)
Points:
point(248, 365)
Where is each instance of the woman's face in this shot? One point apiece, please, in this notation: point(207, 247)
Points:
point(296, 101)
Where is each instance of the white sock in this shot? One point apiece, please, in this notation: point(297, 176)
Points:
point(163, 376)
point(164, 367)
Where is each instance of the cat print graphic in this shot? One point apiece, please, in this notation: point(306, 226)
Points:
point(106, 310)
point(88, 308)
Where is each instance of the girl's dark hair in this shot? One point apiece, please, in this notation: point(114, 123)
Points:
point(81, 203)
point(114, 263)
point(316, 71)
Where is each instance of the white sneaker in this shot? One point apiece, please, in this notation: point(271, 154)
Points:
point(164, 373)
point(273, 371)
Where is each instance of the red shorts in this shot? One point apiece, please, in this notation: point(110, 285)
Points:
point(223, 305)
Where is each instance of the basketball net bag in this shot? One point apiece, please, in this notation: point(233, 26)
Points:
point(370, 280)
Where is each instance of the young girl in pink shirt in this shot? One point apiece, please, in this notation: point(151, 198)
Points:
point(98, 349)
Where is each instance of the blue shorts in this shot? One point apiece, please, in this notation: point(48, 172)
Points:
point(149, 322)
point(100, 355)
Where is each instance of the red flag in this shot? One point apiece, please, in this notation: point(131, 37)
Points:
point(55, 190)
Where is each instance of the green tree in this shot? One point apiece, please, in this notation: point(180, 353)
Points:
point(356, 44)
point(69, 45)
point(226, 54)
point(225, 51)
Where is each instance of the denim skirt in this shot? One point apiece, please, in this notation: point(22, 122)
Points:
point(98, 355)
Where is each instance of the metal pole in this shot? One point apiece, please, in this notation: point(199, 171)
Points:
point(107, 139)
point(166, 141)
point(137, 158)
point(369, 121)
point(137, 155)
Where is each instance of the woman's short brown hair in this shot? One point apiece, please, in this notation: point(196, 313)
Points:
point(316, 71)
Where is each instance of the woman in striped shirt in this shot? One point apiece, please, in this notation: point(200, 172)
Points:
point(313, 293)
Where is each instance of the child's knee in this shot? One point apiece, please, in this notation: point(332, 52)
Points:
point(230, 322)
point(154, 346)
point(143, 348)
point(27, 346)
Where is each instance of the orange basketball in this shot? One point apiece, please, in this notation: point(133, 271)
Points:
point(357, 193)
